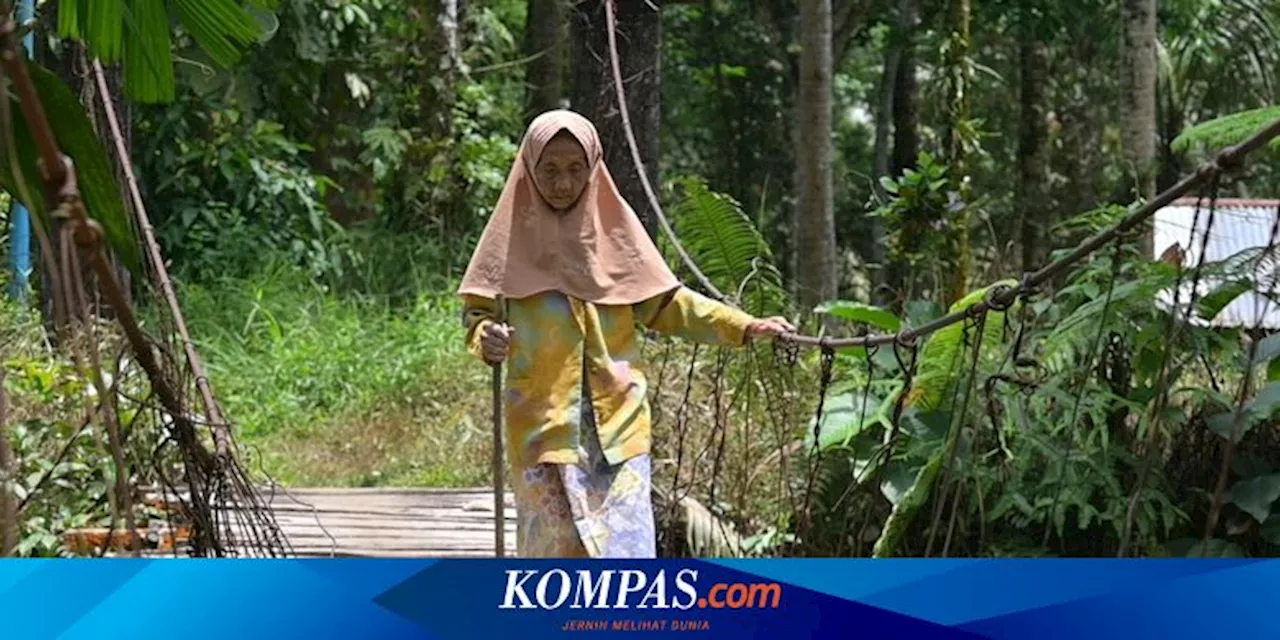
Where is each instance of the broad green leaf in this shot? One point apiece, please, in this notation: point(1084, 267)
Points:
point(1267, 350)
point(1270, 530)
point(1248, 465)
point(1265, 403)
point(76, 137)
point(909, 503)
point(927, 426)
point(1215, 301)
point(845, 416)
point(1223, 423)
point(865, 467)
point(883, 357)
point(1258, 409)
point(1256, 495)
point(1217, 548)
point(898, 480)
point(864, 313)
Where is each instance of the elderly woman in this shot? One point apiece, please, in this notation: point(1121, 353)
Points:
point(579, 275)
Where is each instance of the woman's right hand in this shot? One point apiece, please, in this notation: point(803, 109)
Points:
point(494, 341)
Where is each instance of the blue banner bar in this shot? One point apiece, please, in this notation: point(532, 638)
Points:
point(526, 599)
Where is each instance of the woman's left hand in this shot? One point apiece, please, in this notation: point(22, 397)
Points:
point(770, 327)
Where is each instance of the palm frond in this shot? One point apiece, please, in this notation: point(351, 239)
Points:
point(94, 176)
point(103, 28)
point(705, 534)
point(69, 19)
point(137, 34)
point(148, 72)
point(222, 28)
point(1224, 59)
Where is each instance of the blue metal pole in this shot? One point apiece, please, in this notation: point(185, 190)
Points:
point(20, 229)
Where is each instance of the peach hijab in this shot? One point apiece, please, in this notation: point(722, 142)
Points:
point(596, 251)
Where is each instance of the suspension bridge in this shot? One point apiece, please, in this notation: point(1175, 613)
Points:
point(211, 506)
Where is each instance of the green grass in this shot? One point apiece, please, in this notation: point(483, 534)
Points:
point(330, 390)
point(349, 390)
point(343, 391)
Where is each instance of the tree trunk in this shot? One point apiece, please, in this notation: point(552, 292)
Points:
point(1082, 120)
point(544, 44)
point(437, 95)
point(958, 262)
point(814, 215)
point(1032, 132)
point(847, 18)
point(592, 92)
point(906, 137)
point(906, 108)
point(1138, 69)
point(957, 86)
point(1171, 122)
point(883, 148)
point(445, 49)
point(881, 167)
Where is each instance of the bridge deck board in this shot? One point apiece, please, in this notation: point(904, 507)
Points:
point(391, 522)
point(387, 522)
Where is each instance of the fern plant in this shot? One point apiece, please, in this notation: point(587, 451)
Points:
point(728, 248)
point(1228, 130)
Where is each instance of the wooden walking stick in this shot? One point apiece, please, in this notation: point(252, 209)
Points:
point(499, 510)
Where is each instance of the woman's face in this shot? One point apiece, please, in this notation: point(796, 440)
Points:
point(561, 173)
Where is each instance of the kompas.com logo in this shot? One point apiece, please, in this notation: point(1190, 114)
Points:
point(611, 589)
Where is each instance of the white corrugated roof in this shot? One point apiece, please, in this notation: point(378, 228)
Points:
point(1238, 225)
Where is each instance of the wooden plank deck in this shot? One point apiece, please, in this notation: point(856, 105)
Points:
point(390, 522)
point(380, 522)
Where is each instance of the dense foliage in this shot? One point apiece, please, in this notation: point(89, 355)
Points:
point(317, 171)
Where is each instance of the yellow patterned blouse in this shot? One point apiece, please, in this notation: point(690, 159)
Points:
point(556, 338)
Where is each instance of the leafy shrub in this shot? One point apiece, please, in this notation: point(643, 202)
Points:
point(230, 193)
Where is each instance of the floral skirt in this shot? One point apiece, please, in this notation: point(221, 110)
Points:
point(586, 510)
